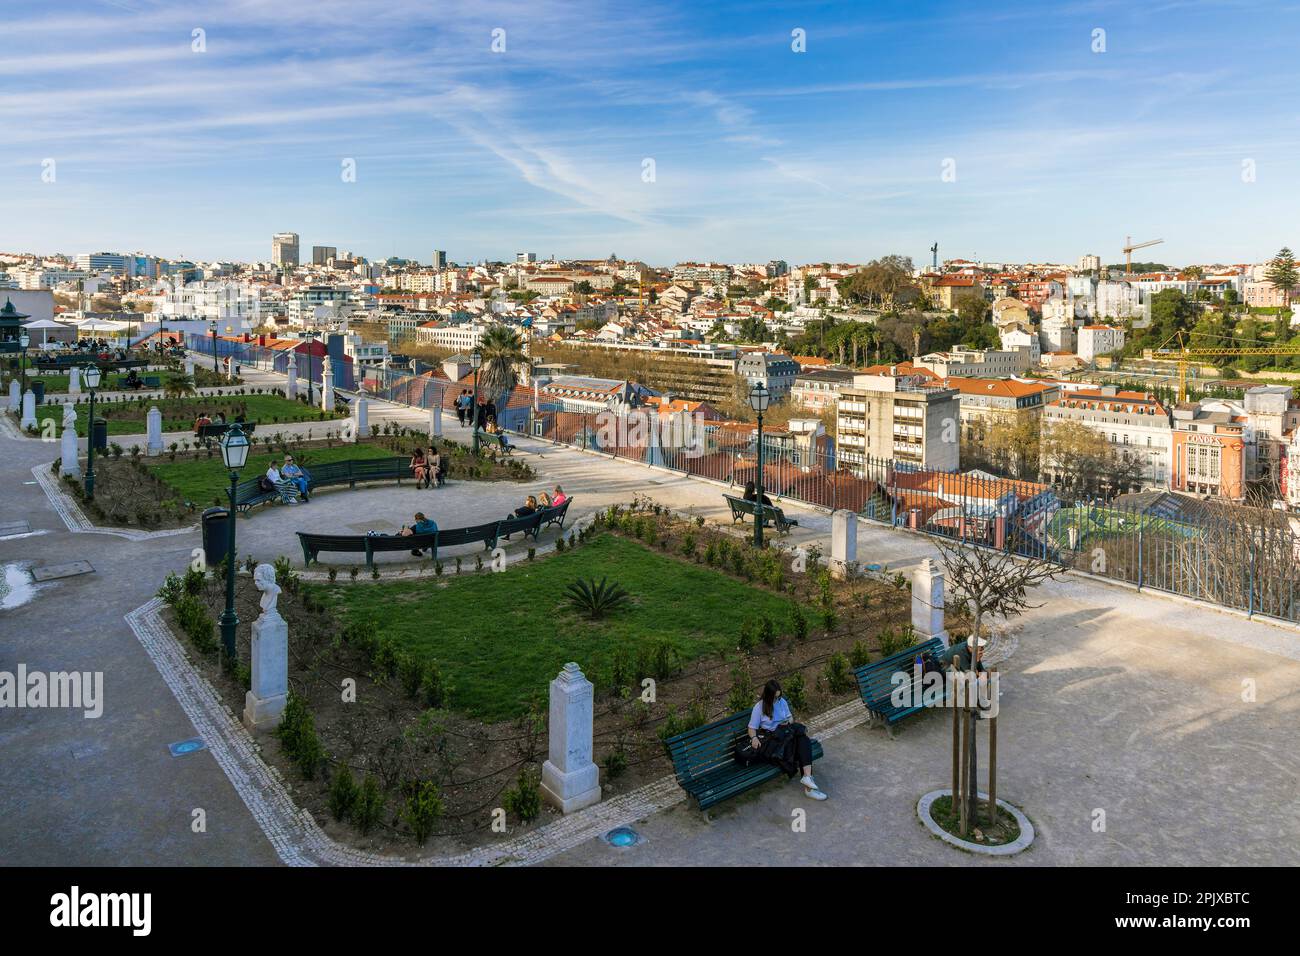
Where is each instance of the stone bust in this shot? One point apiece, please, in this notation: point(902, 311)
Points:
point(264, 580)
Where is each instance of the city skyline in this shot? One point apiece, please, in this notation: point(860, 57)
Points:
point(203, 145)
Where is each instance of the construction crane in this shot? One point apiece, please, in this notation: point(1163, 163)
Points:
point(1182, 355)
point(1129, 246)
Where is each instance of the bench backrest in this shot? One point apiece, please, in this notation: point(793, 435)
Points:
point(478, 532)
point(522, 523)
point(384, 542)
point(875, 680)
point(751, 507)
point(332, 542)
point(706, 748)
point(379, 467)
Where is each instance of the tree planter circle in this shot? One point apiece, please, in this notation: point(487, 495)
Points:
point(1018, 845)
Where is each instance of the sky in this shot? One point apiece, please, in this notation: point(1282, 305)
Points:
point(655, 131)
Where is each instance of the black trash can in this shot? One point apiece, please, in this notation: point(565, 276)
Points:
point(99, 434)
point(38, 390)
point(216, 535)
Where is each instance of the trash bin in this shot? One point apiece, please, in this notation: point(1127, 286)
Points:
point(38, 390)
point(99, 434)
point(216, 535)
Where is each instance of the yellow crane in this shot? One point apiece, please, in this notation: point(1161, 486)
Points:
point(1130, 245)
point(1182, 355)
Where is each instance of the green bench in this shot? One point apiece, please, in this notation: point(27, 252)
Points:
point(499, 440)
point(876, 683)
point(704, 761)
point(215, 431)
point(371, 544)
point(250, 493)
point(740, 508)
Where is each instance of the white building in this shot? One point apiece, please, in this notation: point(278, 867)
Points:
point(1117, 300)
point(1097, 340)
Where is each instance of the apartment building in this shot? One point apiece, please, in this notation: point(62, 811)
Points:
point(977, 363)
point(903, 417)
point(1116, 300)
point(944, 292)
point(818, 389)
point(284, 249)
point(703, 273)
point(1134, 421)
point(775, 370)
point(1263, 295)
point(1097, 340)
point(462, 337)
point(982, 401)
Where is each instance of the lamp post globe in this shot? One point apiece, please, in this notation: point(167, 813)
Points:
point(234, 453)
point(759, 398)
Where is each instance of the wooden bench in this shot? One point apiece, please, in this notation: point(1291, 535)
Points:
point(876, 682)
point(556, 515)
point(530, 525)
point(250, 493)
point(704, 760)
point(740, 508)
point(499, 440)
point(372, 544)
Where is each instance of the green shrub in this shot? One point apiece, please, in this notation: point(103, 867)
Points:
point(838, 676)
point(766, 630)
point(197, 624)
point(433, 692)
point(423, 808)
point(798, 623)
point(385, 659)
point(615, 763)
point(343, 794)
point(193, 581)
point(859, 655)
point(524, 799)
point(596, 599)
point(748, 637)
point(891, 642)
point(172, 589)
point(369, 805)
point(742, 694)
point(796, 692)
point(410, 672)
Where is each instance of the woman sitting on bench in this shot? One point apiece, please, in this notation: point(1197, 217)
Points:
point(751, 493)
point(779, 740)
point(274, 481)
point(529, 508)
point(435, 466)
point(420, 468)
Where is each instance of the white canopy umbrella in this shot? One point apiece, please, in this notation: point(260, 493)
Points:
point(43, 326)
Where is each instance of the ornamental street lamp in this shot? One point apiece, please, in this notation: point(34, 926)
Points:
point(214, 348)
point(234, 452)
point(311, 364)
point(91, 374)
point(475, 360)
point(24, 340)
point(759, 397)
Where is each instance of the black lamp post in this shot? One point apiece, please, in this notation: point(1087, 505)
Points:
point(91, 374)
point(24, 340)
point(234, 452)
point(475, 360)
point(214, 348)
point(311, 364)
point(759, 397)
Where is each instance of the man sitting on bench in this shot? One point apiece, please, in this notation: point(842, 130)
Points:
point(133, 380)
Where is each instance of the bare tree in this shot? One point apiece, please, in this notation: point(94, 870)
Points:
point(986, 581)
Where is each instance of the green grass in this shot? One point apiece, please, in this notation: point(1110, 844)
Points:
point(500, 638)
point(202, 479)
point(128, 418)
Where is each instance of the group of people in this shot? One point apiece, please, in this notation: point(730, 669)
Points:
point(535, 503)
point(289, 479)
point(428, 468)
point(482, 415)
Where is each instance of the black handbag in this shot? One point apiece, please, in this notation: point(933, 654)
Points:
point(746, 753)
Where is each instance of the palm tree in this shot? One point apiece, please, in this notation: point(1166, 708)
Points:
point(178, 386)
point(502, 349)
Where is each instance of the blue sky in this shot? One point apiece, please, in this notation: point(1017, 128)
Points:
point(760, 152)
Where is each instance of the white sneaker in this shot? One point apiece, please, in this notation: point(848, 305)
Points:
point(808, 782)
point(814, 794)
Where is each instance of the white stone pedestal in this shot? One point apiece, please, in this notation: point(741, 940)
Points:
point(15, 396)
point(69, 465)
point(74, 381)
point(29, 410)
point(844, 544)
point(570, 780)
point(265, 700)
point(153, 429)
point(189, 367)
point(361, 418)
point(326, 386)
point(435, 422)
point(291, 370)
point(927, 601)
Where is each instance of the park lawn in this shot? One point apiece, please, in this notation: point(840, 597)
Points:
point(128, 417)
point(202, 479)
point(500, 638)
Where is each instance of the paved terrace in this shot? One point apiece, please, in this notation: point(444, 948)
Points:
point(1113, 701)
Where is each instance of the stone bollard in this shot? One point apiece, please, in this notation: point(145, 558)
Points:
point(15, 396)
point(361, 418)
point(844, 544)
point(269, 657)
point(291, 370)
point(326, 386)
point(29, 411)
point(74, 380)
point(153, 429)
point(69, 464)
point(435, 422)
point(570, 780)
point(927, 601)
point(189, 367)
